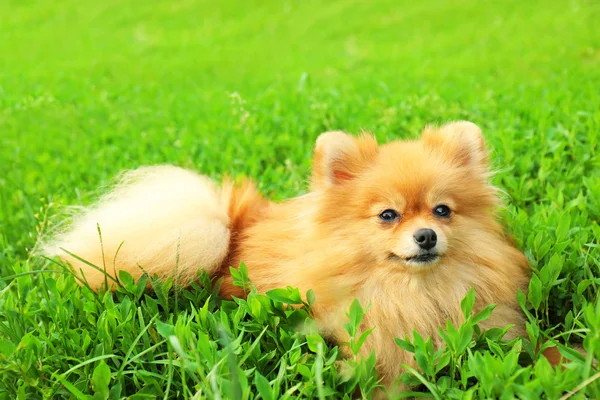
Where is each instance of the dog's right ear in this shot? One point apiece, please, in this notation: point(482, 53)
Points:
point(340, 157)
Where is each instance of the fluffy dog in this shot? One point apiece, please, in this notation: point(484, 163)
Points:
point(407, 227)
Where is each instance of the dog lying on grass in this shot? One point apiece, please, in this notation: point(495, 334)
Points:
point(408, 227)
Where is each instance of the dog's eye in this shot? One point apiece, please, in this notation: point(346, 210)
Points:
point(442, 211)
point(389, 215)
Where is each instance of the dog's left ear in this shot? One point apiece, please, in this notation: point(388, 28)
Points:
point(340, 157)
point(461, 142)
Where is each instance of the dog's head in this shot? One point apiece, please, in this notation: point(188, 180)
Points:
point(406, 204)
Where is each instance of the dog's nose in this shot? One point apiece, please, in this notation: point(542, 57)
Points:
point(425, 238)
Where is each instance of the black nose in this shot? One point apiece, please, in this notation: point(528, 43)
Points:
point(425, 238)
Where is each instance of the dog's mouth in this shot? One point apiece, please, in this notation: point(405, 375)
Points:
point(417, 259)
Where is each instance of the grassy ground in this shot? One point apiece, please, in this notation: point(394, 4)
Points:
point(244, 87)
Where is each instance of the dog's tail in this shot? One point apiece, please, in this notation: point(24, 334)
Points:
point(161, 220)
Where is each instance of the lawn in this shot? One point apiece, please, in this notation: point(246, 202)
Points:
point(244, 88)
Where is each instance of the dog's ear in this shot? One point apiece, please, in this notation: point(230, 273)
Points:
point(460, 142)
point(340, 157)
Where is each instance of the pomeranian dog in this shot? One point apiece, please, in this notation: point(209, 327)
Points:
point(408, 228)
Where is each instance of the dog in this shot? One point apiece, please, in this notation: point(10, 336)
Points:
point(408, 227)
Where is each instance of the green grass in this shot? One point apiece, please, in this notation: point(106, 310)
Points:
point(244, 87)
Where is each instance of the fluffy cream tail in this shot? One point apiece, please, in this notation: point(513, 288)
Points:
point(162, 220)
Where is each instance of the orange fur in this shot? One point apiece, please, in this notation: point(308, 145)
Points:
point(331, 240)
